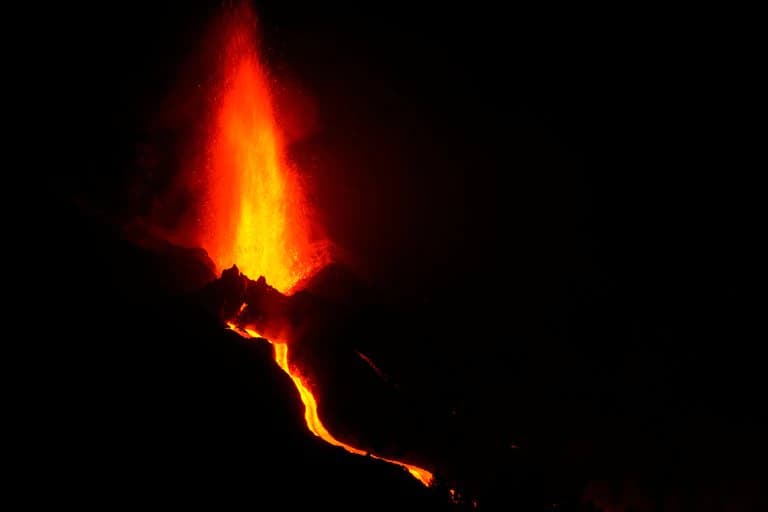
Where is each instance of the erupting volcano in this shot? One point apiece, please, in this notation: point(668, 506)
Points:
point(254, 213)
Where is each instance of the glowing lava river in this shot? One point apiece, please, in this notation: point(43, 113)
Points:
point(254, 213)
point(310, 407)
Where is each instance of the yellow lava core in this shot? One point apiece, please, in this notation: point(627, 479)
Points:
point(310, 407)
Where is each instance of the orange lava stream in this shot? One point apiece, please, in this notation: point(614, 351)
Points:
point(310, 407)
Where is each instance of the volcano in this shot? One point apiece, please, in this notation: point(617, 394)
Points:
point(255, 214)
point(411, 259)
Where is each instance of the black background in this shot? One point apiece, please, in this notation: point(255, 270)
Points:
point(561, 198)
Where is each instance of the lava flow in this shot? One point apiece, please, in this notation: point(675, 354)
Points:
point(310, 407)
point(254, 212)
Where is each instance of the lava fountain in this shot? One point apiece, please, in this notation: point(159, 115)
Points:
point(254, 212)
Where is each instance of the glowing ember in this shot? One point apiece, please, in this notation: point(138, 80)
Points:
point(254, 212)
point(310, 406)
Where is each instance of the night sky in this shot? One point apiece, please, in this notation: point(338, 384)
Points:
point(557, 202)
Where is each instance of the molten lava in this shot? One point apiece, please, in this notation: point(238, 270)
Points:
point(310, 407)
point(254, 212)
